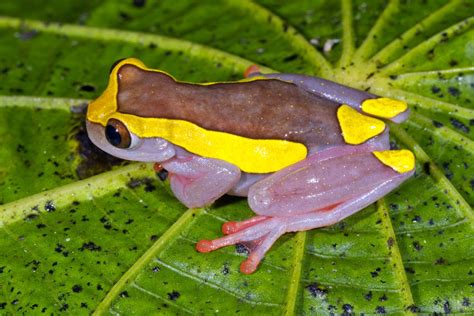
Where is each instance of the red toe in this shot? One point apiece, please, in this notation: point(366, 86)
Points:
point(229, 228)
point(204, 246)
point(250, 70)
point(249, 266)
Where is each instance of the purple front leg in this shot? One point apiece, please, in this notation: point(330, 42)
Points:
point(198, 181)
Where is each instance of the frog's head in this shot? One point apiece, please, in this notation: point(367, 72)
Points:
point(122, 134)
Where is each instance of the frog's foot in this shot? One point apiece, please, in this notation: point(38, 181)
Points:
point(251, 71)
point(233, 227)
point(258, 234)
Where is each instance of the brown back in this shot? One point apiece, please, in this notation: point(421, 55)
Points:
point(261, 109)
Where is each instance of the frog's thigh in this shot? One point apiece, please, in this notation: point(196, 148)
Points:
point(198, 181)
point(324, 182)
point(363, 101)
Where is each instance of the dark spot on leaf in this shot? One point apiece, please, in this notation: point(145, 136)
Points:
point(375, 273)
point(77, 288)
point(91, 246)
point(370, 75)
point(30, 217)
point(347, 308)
point(446, 308)
point(40, 225)
point(154, 237)
point(225, 270)
point(240, 248)
point(124, 294)
point(59, 248)
point(454, 91)
point(466, 302)
point(390, 242)
point(139, 3)
point(417, 246)
point(430, 54)
point(447, 172)
point(87, 88)
point(49, 206)
point(26, 35)
point(380, 310)
point(440, 261)
point(453, 63)
point(64, 307)
point(173, 295)
point(383, 298)
point(368, 296)
point(290, 58)
point(316, 291)
point(435, 89)
point(426, 168)
point(125, 16)
point(137, 182)
point(155, 269)
point(437, 124)
point(414, 309)
point(459, 125)
point(416, 219)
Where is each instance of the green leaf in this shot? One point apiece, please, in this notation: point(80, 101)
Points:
point(84, 232)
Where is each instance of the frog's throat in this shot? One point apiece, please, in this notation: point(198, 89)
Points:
point(250, 155)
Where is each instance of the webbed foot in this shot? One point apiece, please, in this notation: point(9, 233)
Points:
point(258, 234)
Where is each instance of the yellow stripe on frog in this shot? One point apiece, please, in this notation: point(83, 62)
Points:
point(250, 155)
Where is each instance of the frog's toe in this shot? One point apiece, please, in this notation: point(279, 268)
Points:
point(263, 245)
point(260, 232)
point(233, 227)
point(251, 70)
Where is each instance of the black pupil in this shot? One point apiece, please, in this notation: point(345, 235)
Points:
point(112, 135)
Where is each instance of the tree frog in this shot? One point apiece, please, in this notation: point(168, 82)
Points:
point(306, 152)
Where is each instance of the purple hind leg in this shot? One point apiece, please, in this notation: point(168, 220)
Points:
point(319, 191)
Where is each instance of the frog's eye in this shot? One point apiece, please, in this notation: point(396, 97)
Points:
point(117, 134)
